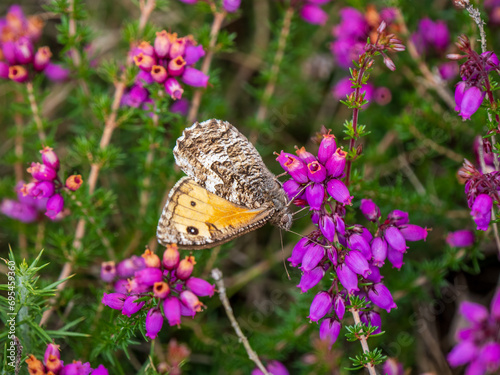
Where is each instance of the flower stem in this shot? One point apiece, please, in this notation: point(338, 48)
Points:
point(364, 342)
point(36, 112)
point(280, 52)
point(217, 275)
point(205, 66)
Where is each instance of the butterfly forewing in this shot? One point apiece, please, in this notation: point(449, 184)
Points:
point(194, 218)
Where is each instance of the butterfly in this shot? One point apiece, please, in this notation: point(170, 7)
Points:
point(228, 190)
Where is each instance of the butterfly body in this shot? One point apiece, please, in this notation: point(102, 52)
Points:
point(228, 192)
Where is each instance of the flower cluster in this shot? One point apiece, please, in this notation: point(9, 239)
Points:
point(479, 343)
point(52, 364)
point(18, 59)
point(349, 252)
point(169, 58)
point(175, 356)
point(469, 93)
point(229, 6)
point(165, 288)
point(311, 11)
point(45, 187)
point(354, 29)
point(481, 190)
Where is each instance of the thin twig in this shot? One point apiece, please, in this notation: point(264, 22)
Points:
point(74, 53)
point(364, 342)
point(205, 66)
point(217, 275)
point(35, 111)
point(280, 52)
point(436, 84)
point(109, 127)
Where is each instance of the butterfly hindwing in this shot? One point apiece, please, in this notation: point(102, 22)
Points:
point(195, 218)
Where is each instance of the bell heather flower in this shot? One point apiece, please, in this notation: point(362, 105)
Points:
point(311, 12)
point(161, 282)
point(478, 345)
point(272, 367)
point(393, 367)
point(431, 36)
point(348, 252)
point(231, 6)
point(481, 211)
point(460, 238)
point(329, 331)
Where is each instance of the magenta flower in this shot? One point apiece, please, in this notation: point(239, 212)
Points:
point(55, 204)
point(315, 195)
point(469, 102)
point(273, 367)
point(311, 279)
point(357, 263)
point(154, 322)
point(370, 209)
point(381, 296)
point(327, 227)
point(312, 257)
point(395, 239)
point(320, 306)
point(460, 238)
point(393, 367)
point(413, 232)
point(172, 310)
point(200, 287)
point(299, 251)
point(344, 88)
point(329, 331)
point(339, 191)
point(114, 300)
point(379, 251)
point(312, 13)
point(148, 276)
point(195, 78)
point(231, 6)
point(130, 306)
point(335, 165)
point(481, 211)
point(347, 278)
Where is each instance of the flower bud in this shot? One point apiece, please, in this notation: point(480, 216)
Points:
point(370, 210)
point(18, 73)
point(394, 238)
point(327, 148)
point(311, 279)
point(148, 276)
point(299, 251)
point(315, 194)
point(42, 58)
point(189, 299)
point(172, 310)
point(321, 304)
point(161, 289)
point(471, 101)
point(43, 189)
point(52, 350)
point(339, 191)
point(381, 296)
point(144, 62)
point(357, 263)
point(194, 77)
point(312, 257)
point(173, 88)
point(398, 217)
point(130, 307)
point(373, 318)
point(176, 66)
point(347, 278)
point(327, 227)
point(304, 155)
point(151, 259)
point(379, 251)
point(108, 271)
point(146, 48)
point(200, 287)
point(395, 257)
point(329, 331)
point(460, 238)
point(193, 54)
point(55, 204)
point(171, 257)
point(293, 189)
point(159, 73)
point(339, 305)
point(127, 267)
point(185, 267)
point(316, 172)
point(24, 51)
point(49, 158)
point(162, 44)
point(154, 322)
point(313, 14)
point(481, 211)
point(413, 232)
point(114, 300)
point(74, 182)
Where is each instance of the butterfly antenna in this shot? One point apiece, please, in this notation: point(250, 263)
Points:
point(283, 252)
point(296, 195)
point(302, 236)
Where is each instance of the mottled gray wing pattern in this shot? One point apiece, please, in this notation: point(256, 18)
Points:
point(222, 160)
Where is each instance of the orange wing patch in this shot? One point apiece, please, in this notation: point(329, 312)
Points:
point(194, 218)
